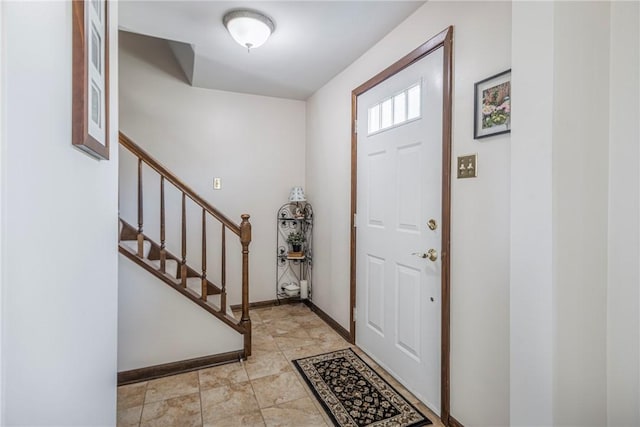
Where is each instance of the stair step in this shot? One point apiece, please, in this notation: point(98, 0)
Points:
point(170, 267)
point(133, 245)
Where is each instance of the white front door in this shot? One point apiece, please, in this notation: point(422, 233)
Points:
point(399, 190)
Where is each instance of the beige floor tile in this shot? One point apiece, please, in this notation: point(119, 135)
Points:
point(300, 352)
point(224, 402)
point(298, 309)
point(269, 313)
point(301, 412)
point(262, 364)
point(170, 387)
point(309, 320)
point(261, 330)
point(131, 395)
point(253, 315)
point(222, 375)
point(276, 389)
point(129, 417)
point(292, 340)
point(258, 327)
point(326, 335)
point(264, 343)
point(181, 411)
point(285, 326)
point(252, 419)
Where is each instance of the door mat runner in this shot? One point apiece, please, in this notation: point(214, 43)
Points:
point(353, 394)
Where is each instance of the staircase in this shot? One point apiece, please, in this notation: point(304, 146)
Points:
point(174, 269)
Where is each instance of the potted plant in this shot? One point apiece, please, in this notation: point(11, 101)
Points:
point(296, 239)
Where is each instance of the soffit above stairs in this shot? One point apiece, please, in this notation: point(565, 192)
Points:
point(313, 41)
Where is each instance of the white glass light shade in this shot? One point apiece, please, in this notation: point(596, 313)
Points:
point(250, 29)
point(297, 195)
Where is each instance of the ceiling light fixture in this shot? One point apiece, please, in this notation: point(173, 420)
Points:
point(249, 28)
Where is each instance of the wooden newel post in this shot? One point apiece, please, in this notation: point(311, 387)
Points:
point(245, 240)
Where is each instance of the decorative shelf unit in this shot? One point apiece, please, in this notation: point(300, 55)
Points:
point(291, 269)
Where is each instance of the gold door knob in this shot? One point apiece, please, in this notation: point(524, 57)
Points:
point(432, 224)
point(431, 254)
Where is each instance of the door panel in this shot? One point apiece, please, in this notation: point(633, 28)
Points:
point(408, 184)
point(399, 190)
point(376, 202)
point(408, 328)
point(375, 294)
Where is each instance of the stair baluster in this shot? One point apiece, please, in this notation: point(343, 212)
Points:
point(223, 270)
point(163, 247)
point(140, 214)
point(204, 258)
point(183, 262)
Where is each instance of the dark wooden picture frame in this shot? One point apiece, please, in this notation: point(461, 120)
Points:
point(492, 106)
point(90, 84)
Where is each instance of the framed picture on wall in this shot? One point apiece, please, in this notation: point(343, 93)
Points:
point(90, 126)
point(492, 110)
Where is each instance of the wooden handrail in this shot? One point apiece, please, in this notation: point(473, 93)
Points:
point(154, 164)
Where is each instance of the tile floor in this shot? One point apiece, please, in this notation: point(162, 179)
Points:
point(265, 390)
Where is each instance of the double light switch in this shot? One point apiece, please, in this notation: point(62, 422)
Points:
point(468, 166)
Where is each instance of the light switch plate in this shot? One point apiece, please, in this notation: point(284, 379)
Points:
point(468, 166)
point(217, 183)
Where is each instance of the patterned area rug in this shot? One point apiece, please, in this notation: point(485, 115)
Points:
point(354, 395)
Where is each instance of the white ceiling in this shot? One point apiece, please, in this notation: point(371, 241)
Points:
point(313, 40)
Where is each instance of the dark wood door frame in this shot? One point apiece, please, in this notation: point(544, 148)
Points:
point(443, 40)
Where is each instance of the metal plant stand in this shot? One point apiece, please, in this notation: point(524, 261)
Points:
point(292, 268)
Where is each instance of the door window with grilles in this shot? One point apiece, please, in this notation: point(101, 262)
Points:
point(399, 109)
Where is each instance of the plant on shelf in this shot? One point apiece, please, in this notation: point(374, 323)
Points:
point(296, 239)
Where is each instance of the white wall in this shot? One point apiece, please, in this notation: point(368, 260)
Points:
point(480, 207)
point(2, 167)
point(531, 295)
point(575, 320)
point(167, 327)
point(579, 200)
point(623, 298)
point(254, 143)
point(59, 232)
point(2, 159)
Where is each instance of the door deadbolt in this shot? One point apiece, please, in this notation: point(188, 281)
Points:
point(431, 254)
point(432, 224)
